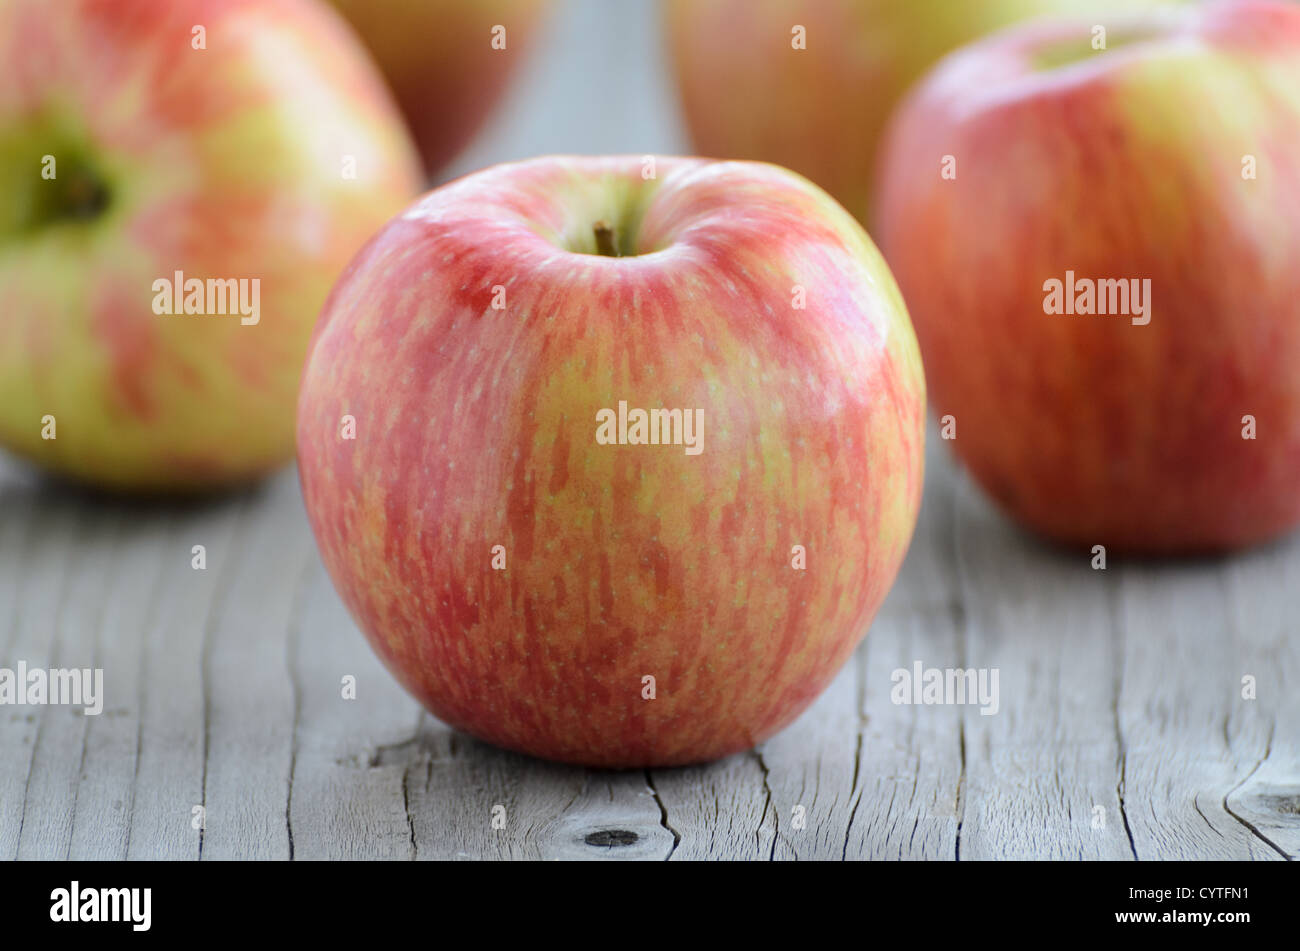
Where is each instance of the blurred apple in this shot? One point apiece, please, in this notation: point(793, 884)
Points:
point(1106, 287)
point(748, 93)
point(180, 183)
point(441, 62)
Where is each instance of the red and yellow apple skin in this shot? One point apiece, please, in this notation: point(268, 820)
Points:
point(438, 58)
point(227, 163)
point(476, 427)
point(1126, 164)
point(822, 111)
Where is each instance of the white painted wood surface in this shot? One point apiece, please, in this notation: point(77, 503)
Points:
point(1122, 731)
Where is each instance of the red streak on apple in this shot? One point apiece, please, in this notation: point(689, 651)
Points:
point(476, 427)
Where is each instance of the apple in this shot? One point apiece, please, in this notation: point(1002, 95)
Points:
point(1165, 170)
point(448, 62)
point(150, 148)
point(614, 460)
point(821, 110)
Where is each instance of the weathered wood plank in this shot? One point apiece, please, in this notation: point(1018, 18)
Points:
point(1042, 774)
point(1264, 598)
point(170, 709)
point(541, 810)
point(246, 682)
point(35, 559)
point(1190, 739)
point(909, 762)
point(101, 812)
point(61, 740)
point(347, 794)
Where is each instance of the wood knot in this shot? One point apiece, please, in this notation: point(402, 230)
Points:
point(1281, 804)
point(611, 838)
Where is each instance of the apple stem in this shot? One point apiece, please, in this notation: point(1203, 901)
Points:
point(605, 240)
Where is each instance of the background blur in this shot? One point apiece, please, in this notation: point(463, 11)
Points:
point(597, 81)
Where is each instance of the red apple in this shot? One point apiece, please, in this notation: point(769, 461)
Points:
point(750, 91)
point(149, 144)
point(521, 570)
point(448, 62)
point(1171, 158)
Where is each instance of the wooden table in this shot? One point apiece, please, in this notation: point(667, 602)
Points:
point(1121, 731)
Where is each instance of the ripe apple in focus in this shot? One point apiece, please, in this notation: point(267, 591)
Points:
point(822, 110)
point(438, 58)
point(133, 148)
point(523, 577)
point(1173, 157)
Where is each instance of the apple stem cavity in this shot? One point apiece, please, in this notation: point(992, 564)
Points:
point(77, 195)
point(605, 243)
point(85, 197)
